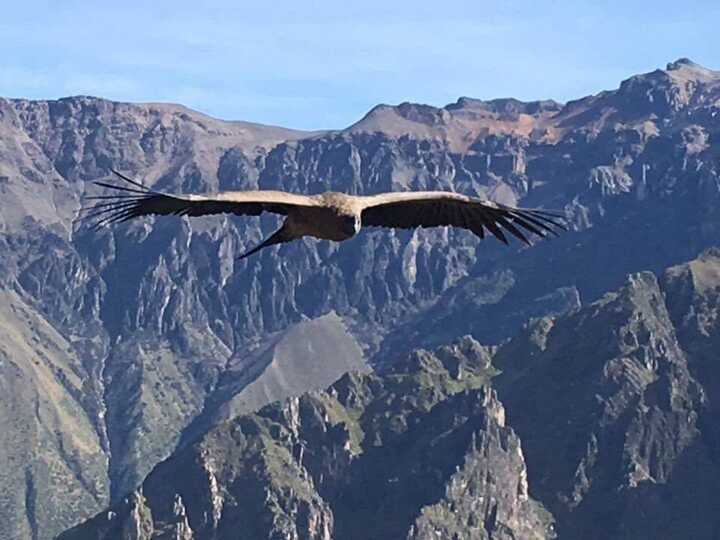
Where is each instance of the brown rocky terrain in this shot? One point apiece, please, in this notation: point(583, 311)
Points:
point(120, 347)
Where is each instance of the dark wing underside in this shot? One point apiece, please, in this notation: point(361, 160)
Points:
point(135, 200)
point(437, 208)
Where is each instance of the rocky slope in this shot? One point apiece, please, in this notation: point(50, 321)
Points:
point(613, 408)
point(421, 450)
point(121, 345)
point(606, 432)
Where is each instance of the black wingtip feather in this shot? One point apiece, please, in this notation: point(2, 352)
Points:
point(118, 197)
point(512, 229)
point(120, 206)
point(131, 181)
point(119, 188)
point(495, 230)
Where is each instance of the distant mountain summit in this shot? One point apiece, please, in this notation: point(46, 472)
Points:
point(683, 83)
point(459, 124)
point(690, 69)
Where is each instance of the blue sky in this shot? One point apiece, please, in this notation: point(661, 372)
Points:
point(323, 64)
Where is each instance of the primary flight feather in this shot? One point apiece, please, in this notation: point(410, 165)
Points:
point(331, 216)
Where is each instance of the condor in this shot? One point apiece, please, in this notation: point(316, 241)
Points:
point(332, 216)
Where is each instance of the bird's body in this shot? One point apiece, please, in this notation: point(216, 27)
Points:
point(332, 215)
point(334, 218)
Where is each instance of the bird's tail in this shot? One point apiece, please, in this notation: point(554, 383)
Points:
point(278, 237)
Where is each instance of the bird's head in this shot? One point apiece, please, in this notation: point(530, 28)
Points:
point(351, 224)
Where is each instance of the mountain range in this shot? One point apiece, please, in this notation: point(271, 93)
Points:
point(456, 387)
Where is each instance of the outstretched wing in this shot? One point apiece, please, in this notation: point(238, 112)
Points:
point(135, 200)
point(408, 210)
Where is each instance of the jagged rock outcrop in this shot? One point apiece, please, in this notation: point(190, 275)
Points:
point(420, 450)
point(158, 316)
point(474, 508)
point(612, 410)
point(613, 406)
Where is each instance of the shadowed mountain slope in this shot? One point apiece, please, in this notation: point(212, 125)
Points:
point(606, 432)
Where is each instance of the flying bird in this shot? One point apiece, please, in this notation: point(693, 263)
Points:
point(331, 215)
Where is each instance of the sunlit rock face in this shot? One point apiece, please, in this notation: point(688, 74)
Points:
point(122, 345)
point(419, 451)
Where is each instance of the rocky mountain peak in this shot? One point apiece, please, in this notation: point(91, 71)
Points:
point(429, 446)
point(509, 106)
point(460, 124)
point(690, 69)
point(668, 91)
point(682, 69)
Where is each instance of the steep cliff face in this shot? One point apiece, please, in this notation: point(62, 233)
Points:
point(607, 432)
point(159, 325)
point(420, 451)
point(614, 408)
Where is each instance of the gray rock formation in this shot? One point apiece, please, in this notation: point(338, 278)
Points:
point(613, 410)
point(119, 347)
point(421, 450)
point(610, 406)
